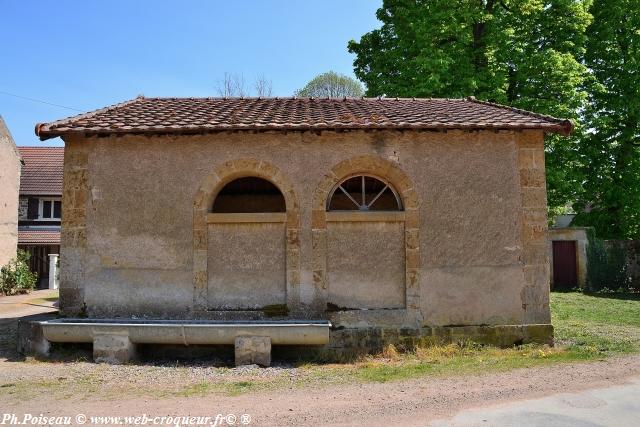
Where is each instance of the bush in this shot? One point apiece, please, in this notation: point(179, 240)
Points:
point(15, 277)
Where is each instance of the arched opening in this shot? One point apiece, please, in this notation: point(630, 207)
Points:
point(249, 195)
point(366, 256)
point(364, 193)
point(365, 244)
point(245, 258)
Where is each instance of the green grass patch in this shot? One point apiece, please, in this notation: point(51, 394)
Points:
point(604, 325)
point(610, 309)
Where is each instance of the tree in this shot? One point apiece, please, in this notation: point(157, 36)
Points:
point(611, 149)
point(234, 85)
point(524, 53)
point(332, 85)
point(263, 86)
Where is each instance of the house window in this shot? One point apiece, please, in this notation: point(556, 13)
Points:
point(49, 209)
point(364, 193)
point(249, 195)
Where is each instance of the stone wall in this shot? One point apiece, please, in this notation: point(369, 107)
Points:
point(73, 237)
point(374, 339)
point(473, 246)
point(9, 188)
point(533, 192)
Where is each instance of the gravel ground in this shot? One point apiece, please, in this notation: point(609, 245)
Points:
point(413, 402)
point(81, 387)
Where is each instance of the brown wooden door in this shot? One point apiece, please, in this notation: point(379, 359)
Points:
point(565, 274)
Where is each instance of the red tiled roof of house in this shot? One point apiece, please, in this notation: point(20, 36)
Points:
point(42, 170)
point(197, 115)
point(33, 237)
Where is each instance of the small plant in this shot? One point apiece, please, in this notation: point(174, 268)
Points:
point(15, 277)
point(390, 352)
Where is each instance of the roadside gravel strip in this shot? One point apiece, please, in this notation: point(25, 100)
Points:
point(407, 403)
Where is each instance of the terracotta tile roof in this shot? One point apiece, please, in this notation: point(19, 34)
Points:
point(42, 170)
point(36, 236)
point(196, 115)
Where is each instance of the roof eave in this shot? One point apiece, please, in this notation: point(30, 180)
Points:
point(563, 128)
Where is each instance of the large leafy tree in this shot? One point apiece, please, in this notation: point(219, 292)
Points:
point(525, 53)
point(331, 85)
point(611, 147)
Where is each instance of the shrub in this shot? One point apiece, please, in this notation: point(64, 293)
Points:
point(15, 277)
point(608, 269)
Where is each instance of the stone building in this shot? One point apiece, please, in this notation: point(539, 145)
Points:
point(391, 218)
point(10, 165)
point(40, 207)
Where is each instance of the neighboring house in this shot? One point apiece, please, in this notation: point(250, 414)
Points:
point(40, 206)
point(391, 218)
point(9, 184)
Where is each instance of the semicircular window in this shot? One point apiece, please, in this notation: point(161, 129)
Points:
point(364, 193)
point(249, 195)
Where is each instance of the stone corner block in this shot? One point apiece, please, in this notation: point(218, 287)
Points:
point(71, 301)
point(253, 350)
point(114, 349)
point(538, 334)
point(31, 340)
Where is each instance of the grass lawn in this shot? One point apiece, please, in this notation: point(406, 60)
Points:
point(587, 328)
point(596, 324)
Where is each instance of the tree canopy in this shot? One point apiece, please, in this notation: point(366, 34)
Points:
point(524, 53)
point(610, 149)
point(331, 85)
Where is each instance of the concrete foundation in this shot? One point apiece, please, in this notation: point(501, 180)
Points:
point(253, 350)
point(371, 340)
point(113, 348)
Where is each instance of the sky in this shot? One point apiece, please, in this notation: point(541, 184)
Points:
point(89, 54)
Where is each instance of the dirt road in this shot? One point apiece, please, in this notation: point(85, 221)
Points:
point(411, 403)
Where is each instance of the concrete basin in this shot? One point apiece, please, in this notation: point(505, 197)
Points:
point(187, 332)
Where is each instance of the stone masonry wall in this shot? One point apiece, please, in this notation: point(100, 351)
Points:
point(135, 221)
point(73, 238)
point(535, 255)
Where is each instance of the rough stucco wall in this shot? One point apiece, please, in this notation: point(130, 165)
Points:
point(474, 243)
point(365, 264)
point(9, 189)
point(241, 277)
